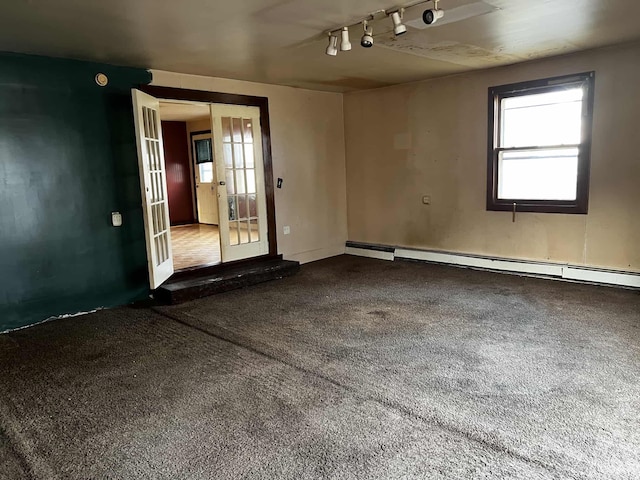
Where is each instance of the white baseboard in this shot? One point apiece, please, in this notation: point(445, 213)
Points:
point(504, 264)
point(553, 270)
point(365, 252)
point(581, 274)
point(526, 267)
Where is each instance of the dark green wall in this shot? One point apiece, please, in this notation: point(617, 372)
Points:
point(67, 160)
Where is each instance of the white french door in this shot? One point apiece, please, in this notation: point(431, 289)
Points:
point(153, 182)
point(242, 206)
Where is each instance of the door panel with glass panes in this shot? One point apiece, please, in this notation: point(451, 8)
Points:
point(237, 139)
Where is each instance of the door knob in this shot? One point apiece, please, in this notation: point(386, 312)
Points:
point(221, 183)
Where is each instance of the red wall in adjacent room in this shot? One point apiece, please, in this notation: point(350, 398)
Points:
point(176, 157)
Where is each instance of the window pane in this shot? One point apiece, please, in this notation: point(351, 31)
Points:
point(538, 175)
point(545, 119)
point(206, 172)
point(203, 151)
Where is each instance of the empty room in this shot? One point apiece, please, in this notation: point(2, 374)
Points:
point(304, 239)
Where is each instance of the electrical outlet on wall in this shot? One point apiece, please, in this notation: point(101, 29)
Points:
point(287, 230)
point(116, 219)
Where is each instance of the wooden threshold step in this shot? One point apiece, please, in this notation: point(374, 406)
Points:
point(209, 283)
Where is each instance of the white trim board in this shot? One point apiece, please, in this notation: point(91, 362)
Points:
point(581, 274)
point(365, 252)
point(553, 270)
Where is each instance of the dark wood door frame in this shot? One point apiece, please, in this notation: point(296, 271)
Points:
point(169, 93)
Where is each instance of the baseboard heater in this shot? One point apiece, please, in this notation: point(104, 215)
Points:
point(524, 267)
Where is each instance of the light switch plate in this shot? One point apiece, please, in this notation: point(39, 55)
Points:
point(287, 230)
point(426, 199)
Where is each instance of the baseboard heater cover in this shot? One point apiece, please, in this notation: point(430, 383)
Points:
point(526, 267)
point(381, 252)
point(489, 263)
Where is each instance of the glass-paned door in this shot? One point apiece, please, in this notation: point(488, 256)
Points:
point(153, 182)
point(237, 138)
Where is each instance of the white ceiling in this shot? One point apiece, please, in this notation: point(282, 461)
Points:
point(183, 112)
point(283, 41)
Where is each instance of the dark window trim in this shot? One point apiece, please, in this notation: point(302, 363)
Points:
point(581, 204)
point(170, 93)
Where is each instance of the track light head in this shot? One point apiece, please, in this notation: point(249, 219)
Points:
point(345, 44)
point(398, 27)
point(431, 16)
point(367, 39)
point(332, 48)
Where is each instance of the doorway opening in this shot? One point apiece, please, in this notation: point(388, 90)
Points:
point(215, 203)
point(191, 185)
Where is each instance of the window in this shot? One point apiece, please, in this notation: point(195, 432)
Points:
point(204, 159)
point(540, 145)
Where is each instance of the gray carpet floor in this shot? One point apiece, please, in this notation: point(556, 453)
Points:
point(354, 368)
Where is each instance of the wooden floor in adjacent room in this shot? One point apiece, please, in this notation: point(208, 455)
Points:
point(195, 245)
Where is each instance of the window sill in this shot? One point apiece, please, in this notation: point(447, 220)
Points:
point(543, 207)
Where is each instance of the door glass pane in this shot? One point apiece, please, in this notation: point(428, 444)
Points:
point(238, 155)
point(206, 172)
point(242, 207)
point(233, 207)
point(237, 130)
point(255, 235)
point(234, 237)
point(228, 155)
point(160, 192)
point(226, 129)
point(251, 181)
point(231, 186)
point(247, 130)
point(248, 155)
point(244, 232)
point(538, 174)
point(203, 150)
point(240, 183)
point(253, 207)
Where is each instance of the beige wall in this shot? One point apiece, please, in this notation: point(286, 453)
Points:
point(430, 138)
point(308, 149)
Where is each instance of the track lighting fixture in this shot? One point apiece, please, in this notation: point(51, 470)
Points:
point(345, 44)
point(367, 39)
point(431, 16)
point(399, 28)
point(396, 18)
point(332, 48)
